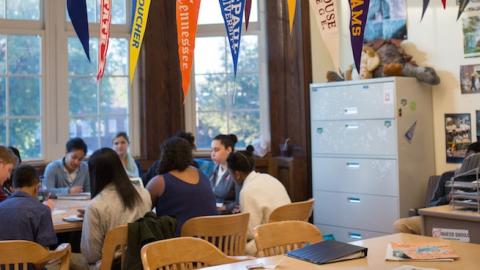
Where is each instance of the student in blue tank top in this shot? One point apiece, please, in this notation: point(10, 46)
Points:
point(180, 190)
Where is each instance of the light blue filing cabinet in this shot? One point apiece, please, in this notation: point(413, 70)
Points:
point(372, 153)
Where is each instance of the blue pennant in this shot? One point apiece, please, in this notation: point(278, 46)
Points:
point(232, 12)
point(77, 10)
point(134, 5)
point(424, 8)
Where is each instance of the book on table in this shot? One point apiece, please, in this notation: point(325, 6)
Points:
point(434, 251)
point(328, 251)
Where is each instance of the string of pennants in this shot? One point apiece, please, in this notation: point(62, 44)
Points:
point(233, 11)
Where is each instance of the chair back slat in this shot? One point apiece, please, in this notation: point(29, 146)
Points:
point(115, 243)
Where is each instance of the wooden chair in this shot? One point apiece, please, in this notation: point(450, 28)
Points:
point(277, 238)
point(20, 253)
point(227, 232)
point(115, 243)
point(293, 211)
point(182, 253)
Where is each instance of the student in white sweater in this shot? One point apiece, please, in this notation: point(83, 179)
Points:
point(260, 193)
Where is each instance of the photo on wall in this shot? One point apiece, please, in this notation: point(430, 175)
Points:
point(471, 29)
point(386, 19)
point(478, 125)
point(470, 79)
point(458, 136)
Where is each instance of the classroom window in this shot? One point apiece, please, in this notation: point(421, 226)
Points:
point(220, 102)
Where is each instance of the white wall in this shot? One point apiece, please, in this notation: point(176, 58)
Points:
point(437, 41)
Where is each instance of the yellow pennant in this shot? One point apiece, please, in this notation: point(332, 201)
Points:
point(291, 12)
point(138, 30)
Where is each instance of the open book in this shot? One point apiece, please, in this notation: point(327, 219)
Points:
point(435, 251)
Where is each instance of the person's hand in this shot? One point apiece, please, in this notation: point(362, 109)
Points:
point(81, 212)
point(50, 203)
point(75, 190)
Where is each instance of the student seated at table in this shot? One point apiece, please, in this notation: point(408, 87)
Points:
point(441, 196)
point(121, 144)
point(7, 163)
point(180, 190)
point(225, 189)
point(8, 185)
point(22, 215)
point(69, 175)
point(260, 194)
point(115, 201)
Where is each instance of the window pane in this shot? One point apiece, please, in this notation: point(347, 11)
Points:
point(3, 132)
point(246, 95)
point(114, 95)
point(210, 55)
point(2, 9)
point(24, 96)
point(3, 96)
point(25, 134)
point(110, 126)
point(23, 9)
point(248, 58)
point(210, 12)
point(3, 51)
point(117, 57)
point(93, 11)
point(210, 92)
point(209, 125)
point(87, 130)
point(82, 96)
point(246, 125)
point(77, 60)
point(24, 54)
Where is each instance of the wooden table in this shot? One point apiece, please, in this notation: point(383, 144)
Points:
point(469, 257)
point(67, 208)
point(446, 218)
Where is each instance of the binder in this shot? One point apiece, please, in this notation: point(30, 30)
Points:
point(328, 252)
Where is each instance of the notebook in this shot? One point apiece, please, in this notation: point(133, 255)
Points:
point(328, 251)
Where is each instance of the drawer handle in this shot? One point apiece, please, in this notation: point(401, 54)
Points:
point(353, 200)
point(350, 110)
point(351, 126)
point(353, 165)
point(356, 236)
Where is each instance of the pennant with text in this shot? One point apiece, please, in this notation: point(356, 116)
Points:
point(136, 37)
point(424, 8)
point(292, 4)
point(232, 12)
point(358, 19)
point(77, 10)
point(104, 36)
point(248, 8)
point(187, 20)
point(326, 15)
point(461, 7)
point(444, 3)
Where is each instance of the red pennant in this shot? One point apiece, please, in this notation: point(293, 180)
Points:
point(248, 7)
point(104, 36)
point(444, 3)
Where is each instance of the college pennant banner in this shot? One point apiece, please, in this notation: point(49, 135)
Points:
point(358, 19)
point(292, 4)
point(77, 10)
point(134, 6)
point(248, 8)
point(104, 36)
point(444, 3)
point(424, 8)
point(187, 20)
point(461, 7)
point(325, 13)
point(138, 30)
point(232, 12)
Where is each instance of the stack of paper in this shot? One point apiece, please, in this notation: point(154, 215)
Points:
point(438, 251)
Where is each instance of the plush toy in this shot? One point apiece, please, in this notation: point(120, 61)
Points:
point(370, 61)
point(393, 62)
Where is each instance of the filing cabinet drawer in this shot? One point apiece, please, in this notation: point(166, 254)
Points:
point(355, 175)
point(368, 212)
point(354, 137)
point(357, 101)
point(347, 234)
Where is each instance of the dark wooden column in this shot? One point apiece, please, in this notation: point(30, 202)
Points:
point(290, 73)
point(161, 98)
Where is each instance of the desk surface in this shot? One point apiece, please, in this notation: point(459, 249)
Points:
point(447, 211)
point(469, 257)
point(67, 208)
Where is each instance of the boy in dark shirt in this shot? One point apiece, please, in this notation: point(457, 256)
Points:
point(28, 219)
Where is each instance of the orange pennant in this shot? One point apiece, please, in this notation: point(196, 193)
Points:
point(187, 19)
point(291, 12)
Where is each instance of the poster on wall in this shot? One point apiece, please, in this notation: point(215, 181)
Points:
point(470, 79)
point(478, 125)
point(457, 136)
point(471, 29)
point(386, 19)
